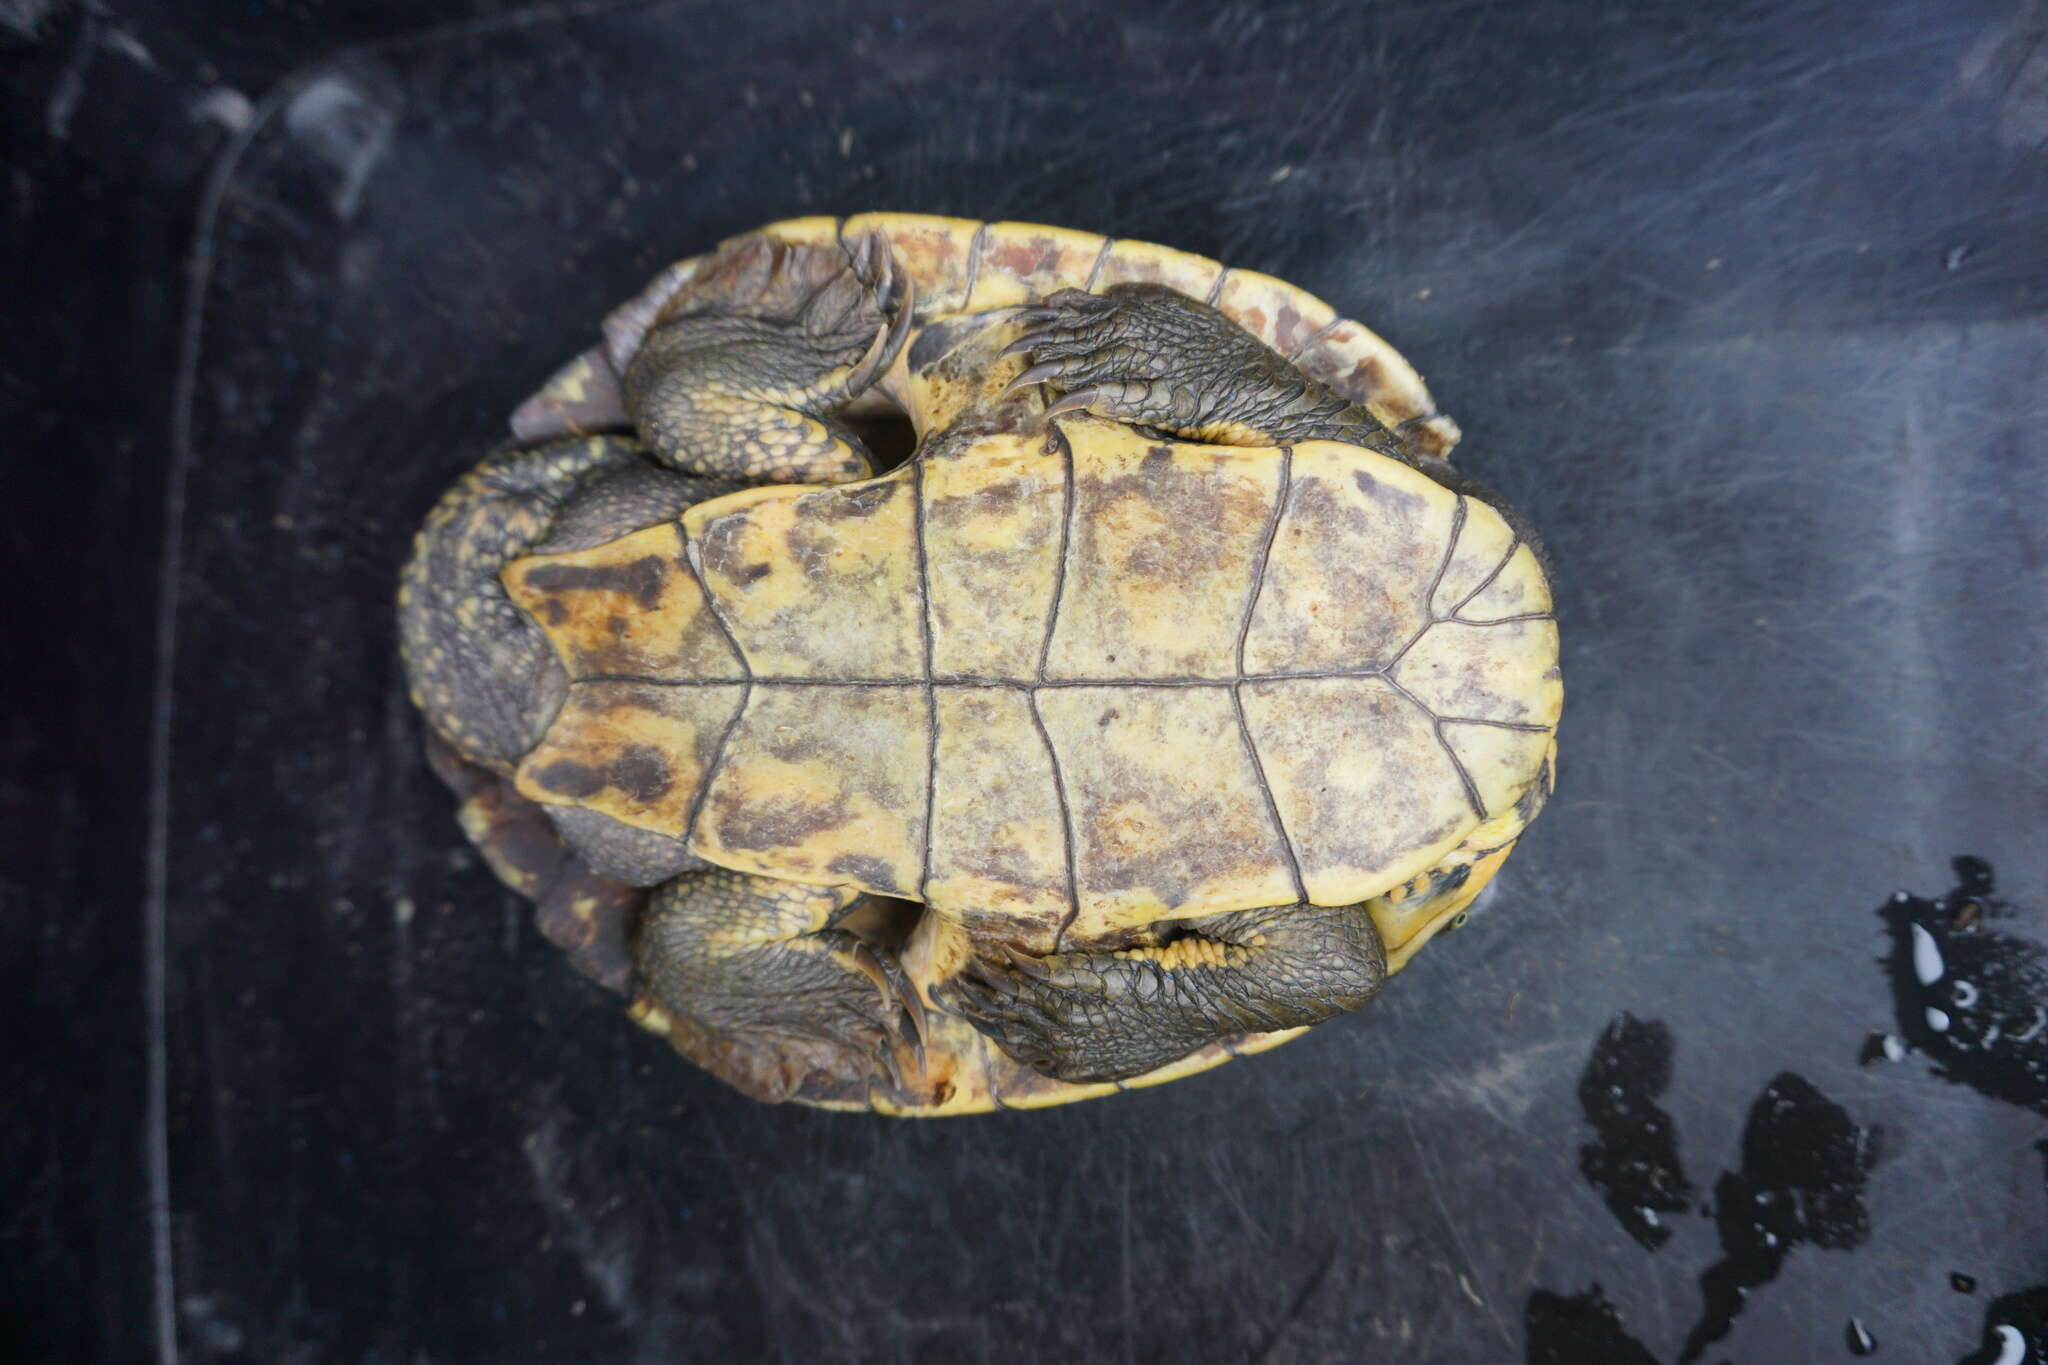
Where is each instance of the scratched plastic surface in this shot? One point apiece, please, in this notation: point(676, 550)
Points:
point(1744, 308)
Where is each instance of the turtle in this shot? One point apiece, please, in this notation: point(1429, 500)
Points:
point(1161, 703)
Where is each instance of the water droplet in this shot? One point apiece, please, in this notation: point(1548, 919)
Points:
point(1937, 1019)
point(1861, 1343)
point(1894, 1047)
point(1961, 1283)
point(1965, 994)
point(1927, 963)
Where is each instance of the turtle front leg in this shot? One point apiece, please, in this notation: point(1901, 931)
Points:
point(1107, 1016)
point(1146, 354)
point(750, 979)
point(742, 376)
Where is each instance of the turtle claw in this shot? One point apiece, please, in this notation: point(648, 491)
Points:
point(871, 967)
point(1079, 400)
point(888, 343)
point(915, 1024)
point(1043, 372)
point(1033, 967)
point(1029, 342)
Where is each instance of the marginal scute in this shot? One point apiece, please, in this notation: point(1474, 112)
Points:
point(580, 398)
point(629, 606)
point(1355, 361)
point(811, 231)
point(1367, 793)
point(992, 539)
point(823, 784)
point(932, 251)
point(1276, 312)
point(998, 844)
point(1163, 554)
point(1166, 805)
point(1025, 261)
point(1149, 263)
point(1505, 672)
point(817, 582)
point(1352, 562)
point(636, 752)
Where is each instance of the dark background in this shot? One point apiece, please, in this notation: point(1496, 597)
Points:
point(1742, 303)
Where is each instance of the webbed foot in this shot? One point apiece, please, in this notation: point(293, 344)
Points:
point(741, 375)
point(750, 981)
point(1148, 355)
point(1107, 1016)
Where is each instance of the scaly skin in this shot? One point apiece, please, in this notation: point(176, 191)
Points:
point(772, 340)
point(1143, 354)
point(761, 989)
point(1106, 1016)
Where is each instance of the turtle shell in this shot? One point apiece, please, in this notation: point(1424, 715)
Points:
point(1062, 683)
point(1060, 696)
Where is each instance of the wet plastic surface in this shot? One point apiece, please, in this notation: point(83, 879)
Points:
point(1745, 311)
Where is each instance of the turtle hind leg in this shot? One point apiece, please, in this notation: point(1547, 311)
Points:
point(1108, 1016)
point(770, 340)
point(750, 978)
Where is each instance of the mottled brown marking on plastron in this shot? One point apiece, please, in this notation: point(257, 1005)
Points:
point(814, 775)
point(1166, 541)
point(998, 847)
point(1166, 805)
point(932, 251)
point(1519, 590)
point(632, 751)
point(1274, 311)
point(817, 582)
point(629, 606)
point(1352, 561)
point(992, 543)
point(1363, 787)
point(1505, 672)
point(1147, 263)
point(1024, 261)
